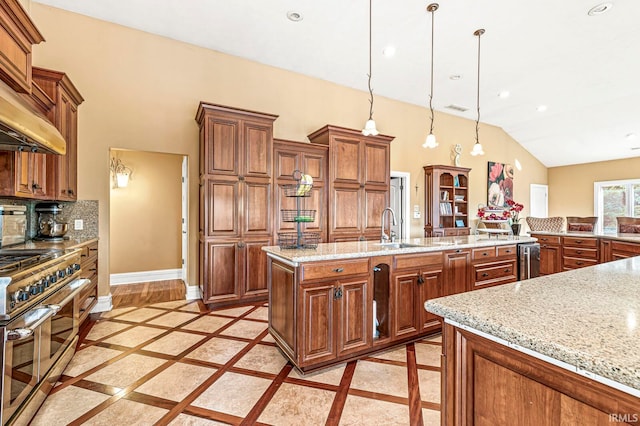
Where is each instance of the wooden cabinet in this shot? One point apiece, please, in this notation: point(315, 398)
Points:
point(550, 253)
point(486, 383)
point(446, 191)
point(17, 36)
point(309, 159)
point(579, 252)
point(235, 203)
point(89, 264)
point(494, 266)
point(458, 271)
point(25, 175)
point(623, 249)
point(64, 116)
point(359, 173)
point(417, 278)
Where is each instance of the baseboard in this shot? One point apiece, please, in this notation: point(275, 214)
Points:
point(145, 276)
point(104, 304)
point(192, 292)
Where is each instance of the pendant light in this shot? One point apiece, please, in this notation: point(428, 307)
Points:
point(431, 142)
point(370, 125)
point(477, 148)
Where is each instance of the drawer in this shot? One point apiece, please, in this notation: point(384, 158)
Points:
point(88, 251)
point(336, 269)
point(418, 260)
point(574, 263)
point(494, 274)
point(547, 239)
point(581, 253)
point(580, 242)
point(618, 246)
point(509, 250)
point(483, 253)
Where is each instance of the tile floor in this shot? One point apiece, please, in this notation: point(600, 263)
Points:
point(176, 363)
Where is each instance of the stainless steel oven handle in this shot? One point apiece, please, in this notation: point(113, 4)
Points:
point(77, 286)
point(26, 332)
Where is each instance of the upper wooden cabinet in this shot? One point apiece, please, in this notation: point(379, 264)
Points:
point(236, 193)
point(446, 194)
point(64, 115)
point(359, 172)
point(17, 36)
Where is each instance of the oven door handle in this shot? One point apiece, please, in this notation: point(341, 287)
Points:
point(77, 286)
point(23, 333)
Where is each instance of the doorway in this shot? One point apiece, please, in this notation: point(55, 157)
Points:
point(399, 202)
point(539, 200)
point(148, 241)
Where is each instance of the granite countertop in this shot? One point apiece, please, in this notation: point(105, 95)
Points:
point(588, 318)
point(65, 244)
point(634, 238)
point(357, 249)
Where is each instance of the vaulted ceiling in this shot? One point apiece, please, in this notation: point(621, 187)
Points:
point(584, 69)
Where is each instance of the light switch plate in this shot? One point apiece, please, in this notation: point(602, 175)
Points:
point(416, 215)
point(78, 224)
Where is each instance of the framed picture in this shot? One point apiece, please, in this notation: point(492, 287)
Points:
point(460, 223)
point(499, 184)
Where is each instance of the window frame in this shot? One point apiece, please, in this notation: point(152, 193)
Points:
point(597, 198)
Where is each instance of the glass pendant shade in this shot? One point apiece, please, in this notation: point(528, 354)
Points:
point(477, 149)
point(430, 142)
point(122, 179)
point(370, 128)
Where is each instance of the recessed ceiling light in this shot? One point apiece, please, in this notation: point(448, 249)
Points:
point(599, 9)
point(455, 77)
point(541, 108)
point(504, 94)
point(294, 16)
point(389, 51)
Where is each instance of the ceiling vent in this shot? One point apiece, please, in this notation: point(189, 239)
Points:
point(457, 108)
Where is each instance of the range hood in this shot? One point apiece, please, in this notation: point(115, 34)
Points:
point(22, 128)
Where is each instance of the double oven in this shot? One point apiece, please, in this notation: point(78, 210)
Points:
point(39, 318)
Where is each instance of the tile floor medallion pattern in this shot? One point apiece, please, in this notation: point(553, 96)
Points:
point(176, 363)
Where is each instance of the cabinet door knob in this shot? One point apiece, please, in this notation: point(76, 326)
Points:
point(241, 245)
point(70, 191)
point(338, 270)
point(240, 178)
point(337, 293)
point(35, 186)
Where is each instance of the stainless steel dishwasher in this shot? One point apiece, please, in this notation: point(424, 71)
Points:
point(528, 261)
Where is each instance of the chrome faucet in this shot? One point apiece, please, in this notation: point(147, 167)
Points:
point(384, 237)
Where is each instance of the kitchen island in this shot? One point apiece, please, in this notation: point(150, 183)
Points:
point(546, 351)
point(341, 301)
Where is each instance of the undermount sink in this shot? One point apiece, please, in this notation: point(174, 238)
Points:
point(397, 245)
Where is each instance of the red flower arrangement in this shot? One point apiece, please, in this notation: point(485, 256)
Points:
point(514, 210)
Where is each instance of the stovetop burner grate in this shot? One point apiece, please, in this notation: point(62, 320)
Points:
point(15, 260)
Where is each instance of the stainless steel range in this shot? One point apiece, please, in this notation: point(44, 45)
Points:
point(39, 317)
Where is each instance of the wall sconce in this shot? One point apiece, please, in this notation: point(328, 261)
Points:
point(120, 173)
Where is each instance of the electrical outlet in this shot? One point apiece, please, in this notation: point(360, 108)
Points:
point(416, 215)
point(78, 224)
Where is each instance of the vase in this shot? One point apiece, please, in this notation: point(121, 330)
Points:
point(515, 228)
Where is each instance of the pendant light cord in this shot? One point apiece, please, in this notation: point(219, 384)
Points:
point(478, 33)
point(369, 75)
point(432, 8)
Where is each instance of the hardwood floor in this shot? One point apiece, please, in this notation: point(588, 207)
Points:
point(141, 294)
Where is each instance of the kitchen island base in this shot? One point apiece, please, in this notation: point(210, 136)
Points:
point(487, 383)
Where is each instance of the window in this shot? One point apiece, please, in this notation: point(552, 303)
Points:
point(613, 199)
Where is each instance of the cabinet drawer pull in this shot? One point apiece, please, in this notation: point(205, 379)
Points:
point(507, 270)
point(338, 270)
point(485, 254)
point(507, 251)
point(485, 275)
point(578, 263)
point(579, 251)
point(337, 293)
point(70, 191)
point(578, 241)
point(544, 239)
point(240, 245)
point(459, 251)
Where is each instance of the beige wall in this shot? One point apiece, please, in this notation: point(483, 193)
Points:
point(142, 92)
point(145, 216)
point(571, 187)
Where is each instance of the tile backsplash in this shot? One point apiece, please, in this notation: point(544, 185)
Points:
point(86, 210)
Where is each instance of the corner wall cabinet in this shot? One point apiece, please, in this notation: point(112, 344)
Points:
point(359, 173)
point(236, 184)
point(446, 194)
point(64, 116)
